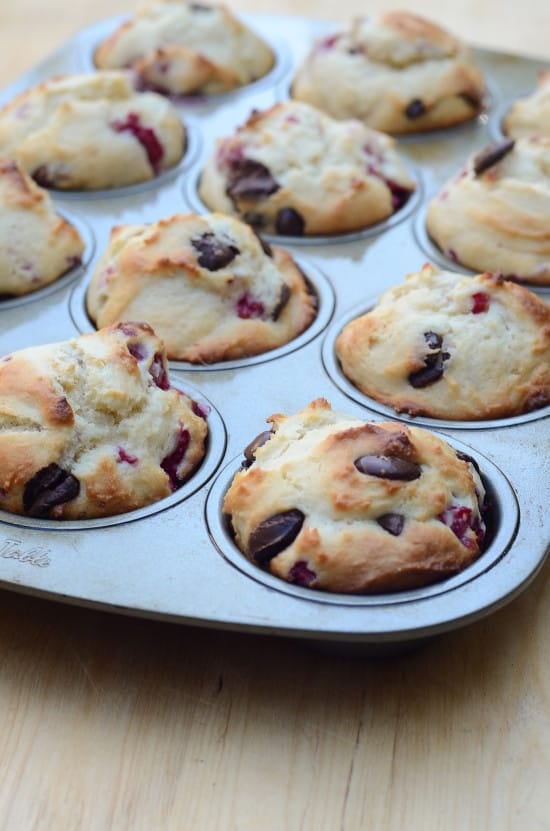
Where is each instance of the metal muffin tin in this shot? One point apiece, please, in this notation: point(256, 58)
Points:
point(176, 560)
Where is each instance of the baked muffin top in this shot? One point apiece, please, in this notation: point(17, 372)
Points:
point(453, 347)
point(329, 501)
point(396, 72)
point(293, 170)
point(91, 427)
point(530, 116)
point(209, 287)
point(180, 47)
point(89, 132)
point(36, 244)
point(494, 214)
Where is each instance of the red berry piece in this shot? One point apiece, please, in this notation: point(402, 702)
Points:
point(172, 462)
point(247, 307)
point(480, 302)
point(146, 137)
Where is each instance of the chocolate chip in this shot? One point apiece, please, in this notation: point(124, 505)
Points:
point(392, 523)
point(253, 446)
point(214, 252)
point(275, 534)
point(49, 487)
point(284, 297)
point(434, 366)
point(43, 177)
point(255, 220)
point(491, 155)
point(249, 179)
point(415, 109)
point(388, 467)
point(290, 222)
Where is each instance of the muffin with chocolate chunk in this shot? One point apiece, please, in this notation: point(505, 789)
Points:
point(91, 427)
point(210, 288)
point(37, 246)
point(329, 501)
point(185, 48)
point(494, 214)
point(530, 116)
point(292, 170)
point(89, 132)
point(396, 72)
point(434, 346)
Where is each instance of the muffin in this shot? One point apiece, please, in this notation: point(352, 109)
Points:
point(329, 501)
point(453, 347)
point(292, 170)
point(89, 132)
point(36, 244)
point(185, 48)
point(209, 287)
point(494, 215)
point(530, 116)
point(397, 72)
point(91, 427)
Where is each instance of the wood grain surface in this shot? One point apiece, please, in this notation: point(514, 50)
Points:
point(110, 722)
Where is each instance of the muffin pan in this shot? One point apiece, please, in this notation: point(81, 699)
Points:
point(176, 559)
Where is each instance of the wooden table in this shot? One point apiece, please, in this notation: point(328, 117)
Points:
point(112, 722)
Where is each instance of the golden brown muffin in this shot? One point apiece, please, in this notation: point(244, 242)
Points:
point(182, 48)
point(530, 116)
point(454, 347)
point(89, 132)
point(36, 244)
point(207, 285)
point(494, 215)
point(397, 72)
point(292, 170)
point(331, 502)
point(91, 427)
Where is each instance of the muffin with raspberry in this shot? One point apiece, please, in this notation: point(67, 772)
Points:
point(179, 47)
point(91, 427)
point(530, 115)
point(331, 502)
point(396, 72)
point(494, 214)
point(295, 171)
point(37, 246)
point(90, 132)
point(210, 288)
point(434, 346)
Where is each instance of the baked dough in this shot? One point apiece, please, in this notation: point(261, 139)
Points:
point(182, 48)
point(332, 502)
point(207, 285)
point(494, 214)
point(453, 347)
point(36, 244)
point(91, 427)
point(396, 72)
point(530, 116)
point(295, 171)
point(90, 132)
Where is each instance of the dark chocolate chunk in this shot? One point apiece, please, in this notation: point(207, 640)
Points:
point(434, 363)
point(49, 487)
point(275, 534)
point(215, 253)
point(43, 177)
point(255, 220)
point(267, 249)
point(284, 297)
point(290, 222)
point(473, 100)
point(466, 458)
point(491, 155)
point(250, 448)
point(392, 523)
point(415, 109)
point(388, 467)
point(249, 179)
